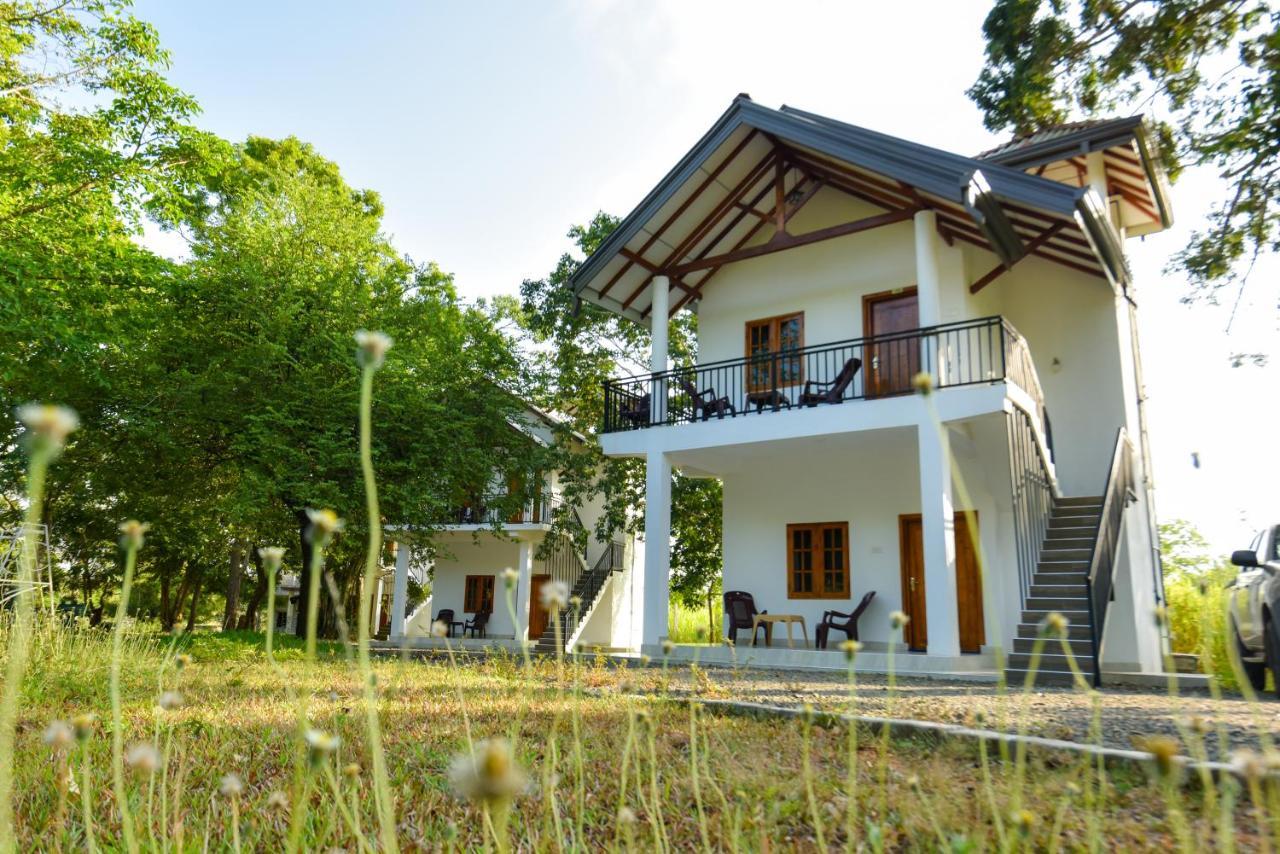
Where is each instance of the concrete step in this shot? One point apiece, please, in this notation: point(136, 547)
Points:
point(1057, 603)
point(1088, 500)
point(1062, 566)
point(1017, 677)
point(1084, 542)
point(1057, 591)
point(1052, 554)
point(1081, 648)
point(1076, 630)
point(1069, 575)
point(1033, 616)
point(1077, 511)
point(1054, 662)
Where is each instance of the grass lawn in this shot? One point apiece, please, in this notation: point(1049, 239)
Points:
point(590, 750)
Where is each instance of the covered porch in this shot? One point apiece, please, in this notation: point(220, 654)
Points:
point(919, 514)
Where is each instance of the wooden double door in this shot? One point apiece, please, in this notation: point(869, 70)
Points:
point(968, 582)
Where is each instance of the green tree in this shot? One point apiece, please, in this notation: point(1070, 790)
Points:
point(1210, 68)
point(574, 348)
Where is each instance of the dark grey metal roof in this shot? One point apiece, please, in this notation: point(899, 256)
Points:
point(982, 187)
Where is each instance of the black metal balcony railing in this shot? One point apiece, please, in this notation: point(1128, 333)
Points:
point(953, 354)
point(507, 509)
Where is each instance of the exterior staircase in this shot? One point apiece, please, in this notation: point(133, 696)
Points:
point(1059, 585)
point(587, 587)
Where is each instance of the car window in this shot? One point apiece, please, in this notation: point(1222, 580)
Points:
point(1275, 544)
point(1257, 541)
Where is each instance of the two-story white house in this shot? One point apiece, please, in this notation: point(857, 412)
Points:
point(509, 524)
point(828, 266)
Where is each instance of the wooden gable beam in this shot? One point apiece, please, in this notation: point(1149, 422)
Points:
point(750, 179)
point(782, 240)
point(742, 241)
point(706, 182)
point(1000, 269)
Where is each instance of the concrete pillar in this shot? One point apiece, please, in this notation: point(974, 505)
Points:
point(938, 531)
point(1096, 177)
point(659, 327)
point(653, 583)
point(377, 606)
point(928, 268)
point(524, 567)
point(400, 590)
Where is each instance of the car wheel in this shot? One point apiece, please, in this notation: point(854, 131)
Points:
point(1272, 651)
point(1255, 671)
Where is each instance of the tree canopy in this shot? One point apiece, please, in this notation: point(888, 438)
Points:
point(1209, 69)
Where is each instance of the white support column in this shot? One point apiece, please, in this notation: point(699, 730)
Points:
point(524, 567)
point(377, 605)
point(928, 268)
point(659, 325)
point(400, 590)
point(654, 582)
point(939, 535)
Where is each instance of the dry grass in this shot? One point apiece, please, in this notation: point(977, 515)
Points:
point(238, 718)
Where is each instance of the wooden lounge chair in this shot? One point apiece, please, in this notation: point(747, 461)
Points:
point(847, 623)
point(740, 611)
point(835, 388)
point(637, 410)
point(476, 625)
point(705, 402)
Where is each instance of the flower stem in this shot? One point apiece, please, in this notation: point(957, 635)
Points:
point(117, 724)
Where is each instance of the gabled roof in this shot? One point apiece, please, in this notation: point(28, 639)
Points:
point(705, 210)
point(1134, 172)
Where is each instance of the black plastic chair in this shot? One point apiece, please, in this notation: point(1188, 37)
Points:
point(740, 611)
point(847, 623)
point(476, 625)
point(446, 616)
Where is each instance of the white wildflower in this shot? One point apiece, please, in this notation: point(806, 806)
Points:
point(489, 774)
point(231, 786)
point(48, 423)
point(132, 533)
point(143, 757)
point(371, 348)
point(555, 595)
point(59, 735)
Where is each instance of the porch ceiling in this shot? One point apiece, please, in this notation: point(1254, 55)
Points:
point(732, 196)
point(802, 453)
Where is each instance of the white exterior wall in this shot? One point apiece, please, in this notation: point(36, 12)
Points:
point(488, 555)
point(875, 481)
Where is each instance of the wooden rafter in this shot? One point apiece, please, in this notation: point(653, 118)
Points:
point(783, 240)
point(1000, 269)
point(750, 179)
point(706, 182)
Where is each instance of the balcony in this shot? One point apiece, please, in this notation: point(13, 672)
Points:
point(970, 352)
point(505, 509)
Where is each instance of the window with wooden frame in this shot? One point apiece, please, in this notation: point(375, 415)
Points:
point(818, 561)
point(478, 594)
point(773, 346)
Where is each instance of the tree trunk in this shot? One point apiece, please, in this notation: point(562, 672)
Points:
point(195, 602)
point(170, 619)
point(304, 577)
point(165, 580)
point(250, 619)
point(711, 618)
point(231, 612)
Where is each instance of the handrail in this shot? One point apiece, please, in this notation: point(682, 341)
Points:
point(1034, 487)
point(496, 507)
point(1100, 579)
point(587, 588)
point(969, 352)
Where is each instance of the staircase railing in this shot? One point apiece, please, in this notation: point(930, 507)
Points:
point(1100, 580)
point(1034, 490)
point(588, 587)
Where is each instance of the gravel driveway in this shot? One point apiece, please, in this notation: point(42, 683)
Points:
point(1052, 712)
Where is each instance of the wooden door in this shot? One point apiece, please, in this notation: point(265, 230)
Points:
point(538, 615)
point(968, 582)
point(891, 364)
point(911, 545)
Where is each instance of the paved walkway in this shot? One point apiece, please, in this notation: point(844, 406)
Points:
point(1127, 713)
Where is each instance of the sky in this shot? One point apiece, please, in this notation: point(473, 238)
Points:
point(489, 128)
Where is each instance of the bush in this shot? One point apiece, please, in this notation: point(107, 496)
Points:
point(687, 624)
point(1198, 625)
